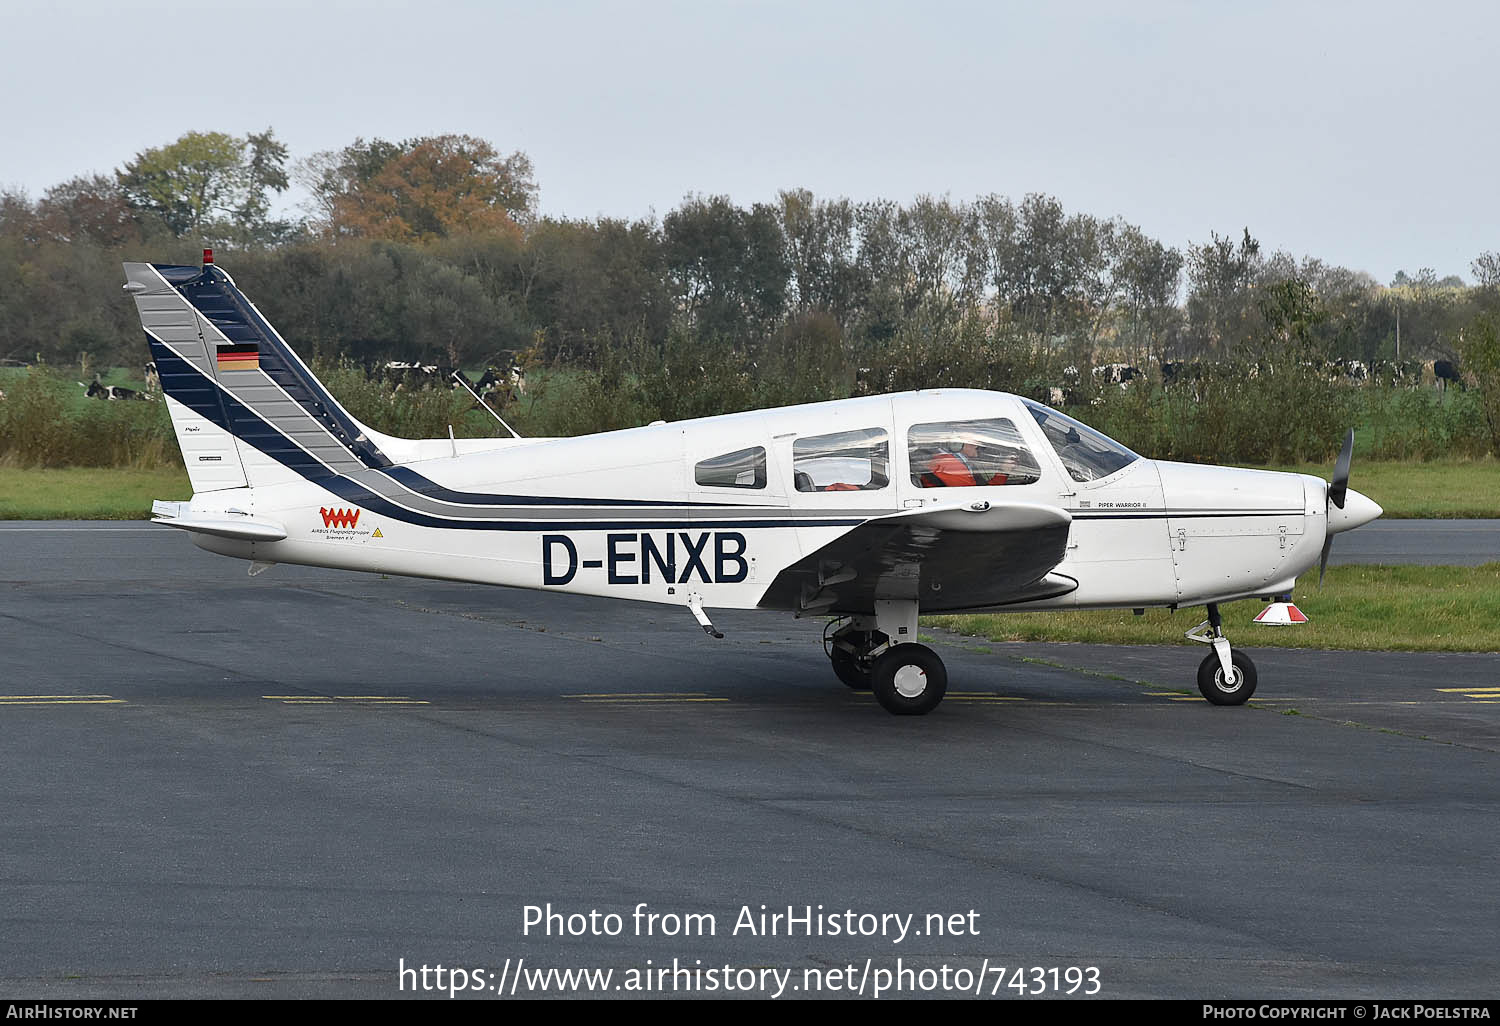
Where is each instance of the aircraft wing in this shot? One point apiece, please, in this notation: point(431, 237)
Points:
point(955, 556)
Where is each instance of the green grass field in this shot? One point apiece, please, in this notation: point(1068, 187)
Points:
point(87, 493)
point(1394, 608)
point(1440, 488)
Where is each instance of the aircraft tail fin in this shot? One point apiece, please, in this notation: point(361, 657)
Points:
point(246, 410)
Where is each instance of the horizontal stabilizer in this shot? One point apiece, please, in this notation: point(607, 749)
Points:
point(240, 526)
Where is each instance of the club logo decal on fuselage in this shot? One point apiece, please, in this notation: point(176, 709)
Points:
point(343, 525)
point(340, 517)
point(649, 557)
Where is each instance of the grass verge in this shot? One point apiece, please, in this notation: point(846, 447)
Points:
point(1450, 489)
point(1373, 608)
point(87, 493)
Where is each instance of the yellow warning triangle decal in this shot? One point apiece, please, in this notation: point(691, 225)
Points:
point(378, 534)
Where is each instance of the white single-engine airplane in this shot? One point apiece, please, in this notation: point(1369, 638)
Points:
point(870, 510)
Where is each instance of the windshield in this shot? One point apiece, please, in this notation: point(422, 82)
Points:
point(1085, 453)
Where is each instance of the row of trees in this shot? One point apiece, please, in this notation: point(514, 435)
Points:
point(220, 189)
point(432, 247)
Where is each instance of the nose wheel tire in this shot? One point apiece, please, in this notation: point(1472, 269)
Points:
point(1216, 689)
point(909, 680)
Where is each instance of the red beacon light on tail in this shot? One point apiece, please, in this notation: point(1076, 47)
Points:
point(208, 257)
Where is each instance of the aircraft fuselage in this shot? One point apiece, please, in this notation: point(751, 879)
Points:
point(626, 514)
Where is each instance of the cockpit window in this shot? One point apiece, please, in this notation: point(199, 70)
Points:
point(745, 468)
point(1085, 453)
point(965, 453)
point(849, 461)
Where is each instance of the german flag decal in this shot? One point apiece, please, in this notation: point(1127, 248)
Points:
point(240, 356)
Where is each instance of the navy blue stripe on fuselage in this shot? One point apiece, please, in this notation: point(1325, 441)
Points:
point(1177, 514)
point(409, 478)
point(208, 399)
point(360, 495)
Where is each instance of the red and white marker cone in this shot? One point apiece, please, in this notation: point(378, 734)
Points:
point(1281, 614)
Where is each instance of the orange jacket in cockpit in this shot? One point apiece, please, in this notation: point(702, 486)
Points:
point(950, 470)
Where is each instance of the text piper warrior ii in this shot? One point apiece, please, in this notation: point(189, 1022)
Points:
point(869, 511)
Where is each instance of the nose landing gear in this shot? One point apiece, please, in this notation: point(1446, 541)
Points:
point(1226, 676)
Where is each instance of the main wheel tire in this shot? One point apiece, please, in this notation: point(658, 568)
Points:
point(909, 680)
point(1211, 679)
point(850, 671)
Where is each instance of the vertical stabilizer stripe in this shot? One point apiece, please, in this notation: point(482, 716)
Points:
point(216, 298)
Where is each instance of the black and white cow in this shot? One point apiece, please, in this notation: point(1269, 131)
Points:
point(509, 382)
point(1116, 374)
point(404, 376)
point(1349, 372)
point(102, 391)
point(497, 385)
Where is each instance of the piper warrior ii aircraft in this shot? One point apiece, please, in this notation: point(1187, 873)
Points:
point(869, 511)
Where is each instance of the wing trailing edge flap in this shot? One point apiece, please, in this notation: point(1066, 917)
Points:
point(948, 557)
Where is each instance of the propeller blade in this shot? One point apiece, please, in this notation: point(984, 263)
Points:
point(1323, 560)
point(1339, 486)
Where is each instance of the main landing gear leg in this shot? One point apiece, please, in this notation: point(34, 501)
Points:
point(853, 648)
point(908, 679)
point(1226, 676)
point(878, 653)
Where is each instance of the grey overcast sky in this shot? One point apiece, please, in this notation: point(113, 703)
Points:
point(1361, 133)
